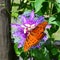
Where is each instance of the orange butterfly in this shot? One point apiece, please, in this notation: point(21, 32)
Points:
point(35, 36)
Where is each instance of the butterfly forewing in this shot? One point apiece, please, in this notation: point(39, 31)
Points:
point(35, 36)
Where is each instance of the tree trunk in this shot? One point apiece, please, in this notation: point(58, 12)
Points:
point(6, 45)
point(5, 40)
point(4, 37)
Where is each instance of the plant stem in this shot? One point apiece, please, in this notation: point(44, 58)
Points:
point(50, 8)
point(30, 57)
point(51, 4)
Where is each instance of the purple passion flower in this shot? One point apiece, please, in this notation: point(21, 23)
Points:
point(27, 23)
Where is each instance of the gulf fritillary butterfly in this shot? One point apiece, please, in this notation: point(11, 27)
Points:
point(35, 36)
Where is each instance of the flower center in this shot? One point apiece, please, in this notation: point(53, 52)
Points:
point(28, 27)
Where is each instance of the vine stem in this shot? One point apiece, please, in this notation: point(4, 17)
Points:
point(51, 4)
point(50, 8)
point(30, 57)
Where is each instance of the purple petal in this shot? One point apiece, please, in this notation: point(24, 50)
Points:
point(45, 37)
point(48, 26)
point(37, 46)
point(39, 20)
point(16, 33)
point(23, 38)
point(32, 15)
point(24, 35)
point(21, 30)
point(21, 43)
point(24, 19)
point(31, 22)
point(15, 25)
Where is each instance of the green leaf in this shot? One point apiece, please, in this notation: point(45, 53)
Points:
point(43, 9)
point(59, 57)
point(25, 1)
point(17, 51)
point(56, 23)
point(54, 51)
point(14, 11)
point(53, 29)
point(33, 4)
point(40, 54)
point(38, 5)
point(57, 7)
point(16, 4)
point(17, 1)
point(58, 17)
point(14, 8)
point(52, 19)
point(24, 55)
point(14, 14)
point(40, 13)
point(58, 1)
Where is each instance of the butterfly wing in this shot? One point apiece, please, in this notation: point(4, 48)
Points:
point(35, 36)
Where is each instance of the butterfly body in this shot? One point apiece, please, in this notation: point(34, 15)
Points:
point(35, 36)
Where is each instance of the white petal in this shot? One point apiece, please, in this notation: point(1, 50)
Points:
point(28, 25)
point(25, 30)
point(32, 26)
point(29, 29)
point(23, 26)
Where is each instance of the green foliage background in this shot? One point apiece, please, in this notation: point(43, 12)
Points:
point(51, 10)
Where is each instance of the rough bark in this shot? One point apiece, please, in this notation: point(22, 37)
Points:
point(6, 45)
point(4, 32)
